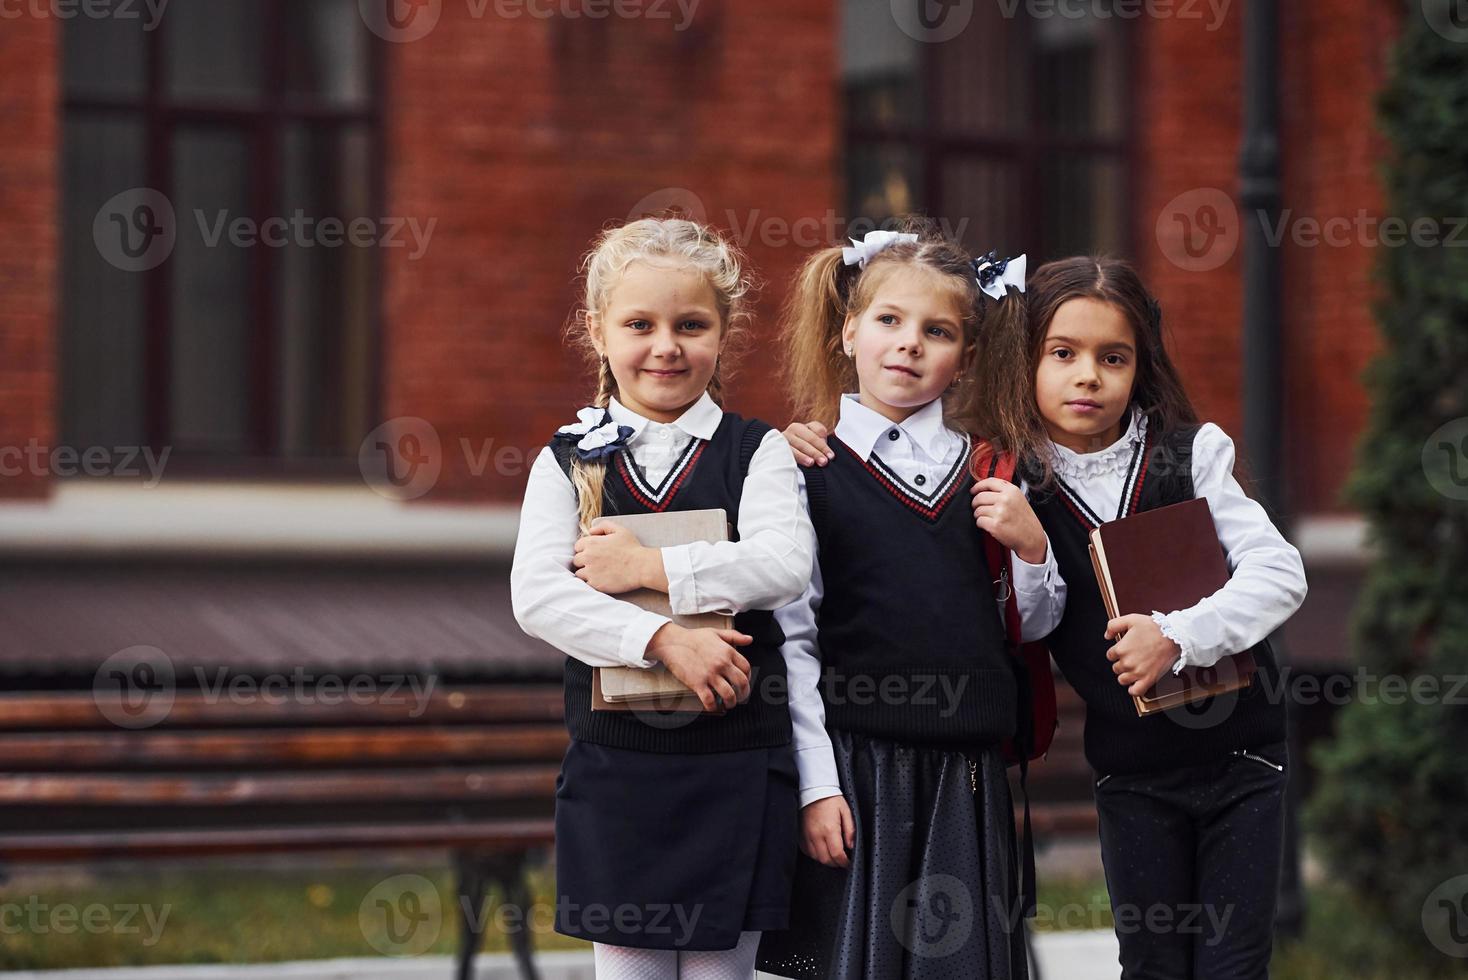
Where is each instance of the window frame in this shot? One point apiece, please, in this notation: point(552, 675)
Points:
point(264, 124)
point(934, 149)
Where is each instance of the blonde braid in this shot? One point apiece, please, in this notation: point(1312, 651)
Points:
point(588, 477)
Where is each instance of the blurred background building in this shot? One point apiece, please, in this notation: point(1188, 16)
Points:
point(480, 145)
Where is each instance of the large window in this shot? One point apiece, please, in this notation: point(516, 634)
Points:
point(258, 348)
point(1015, 123)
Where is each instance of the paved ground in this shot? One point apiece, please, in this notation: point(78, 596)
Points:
point(1063, 956)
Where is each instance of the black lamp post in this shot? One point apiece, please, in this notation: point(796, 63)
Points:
point(1259, 198)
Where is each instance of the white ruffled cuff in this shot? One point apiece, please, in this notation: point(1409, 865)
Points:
point(1172, 632)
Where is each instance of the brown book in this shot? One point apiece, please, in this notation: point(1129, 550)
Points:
point(655, 688)
point(1163, 560)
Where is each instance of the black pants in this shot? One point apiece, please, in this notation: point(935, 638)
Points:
point(1192, 860)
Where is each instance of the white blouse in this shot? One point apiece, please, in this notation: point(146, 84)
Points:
point(1267, 582)
point(922, 453)
point(767, 567)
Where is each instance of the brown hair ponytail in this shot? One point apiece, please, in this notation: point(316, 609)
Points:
point(827, 291)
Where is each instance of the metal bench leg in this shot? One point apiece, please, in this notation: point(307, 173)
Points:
point(508, 871)
point(476, 872)
point(473, 884)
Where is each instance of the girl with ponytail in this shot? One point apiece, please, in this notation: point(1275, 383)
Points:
point(903, 686)
point(675, 833)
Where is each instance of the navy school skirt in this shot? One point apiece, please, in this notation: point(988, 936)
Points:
point(674, 851)
point(932, 889)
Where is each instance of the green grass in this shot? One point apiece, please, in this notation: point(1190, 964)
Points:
point(234, 914)
point(1341, 941)
point(1065, 904)
point(217, 913)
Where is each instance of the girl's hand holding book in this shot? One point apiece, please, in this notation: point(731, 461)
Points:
point(611, 560)
point(827, 831)
point(705, 660)
point(1142, 655)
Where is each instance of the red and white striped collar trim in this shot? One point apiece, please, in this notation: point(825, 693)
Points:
point(657, 498)
point(1131, 488)
point(928, 505)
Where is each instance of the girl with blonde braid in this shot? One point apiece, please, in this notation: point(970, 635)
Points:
point(675, 837)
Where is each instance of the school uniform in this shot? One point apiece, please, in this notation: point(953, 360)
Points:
point(901, 690)
point(1190, 801)
point(686, 821)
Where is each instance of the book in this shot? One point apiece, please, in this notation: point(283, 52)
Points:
point(655, 688)
point(1166, 559)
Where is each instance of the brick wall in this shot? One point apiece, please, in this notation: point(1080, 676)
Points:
point(524, 137)
point(1190, 137)
point(1332, 156)
point(29, 174)
point(1189, 142)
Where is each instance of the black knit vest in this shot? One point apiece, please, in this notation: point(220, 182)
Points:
point(912, 647)
point(709, 474)
point(1117, 740)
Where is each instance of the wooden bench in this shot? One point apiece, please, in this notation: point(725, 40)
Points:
point(470, 769)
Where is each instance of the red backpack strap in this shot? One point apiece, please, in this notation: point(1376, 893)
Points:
point(988, 463)
point(1031, 658)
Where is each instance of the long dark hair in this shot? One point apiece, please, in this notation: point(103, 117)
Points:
point(1158, 389)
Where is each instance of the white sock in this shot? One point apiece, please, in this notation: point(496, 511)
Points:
point(627, 963)
point(721, 964)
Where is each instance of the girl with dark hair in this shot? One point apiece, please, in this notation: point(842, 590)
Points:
point(1190, 801)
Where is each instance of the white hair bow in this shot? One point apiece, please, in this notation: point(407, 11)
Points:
point(995, 275)
point(595, 433)
point(872, 243)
